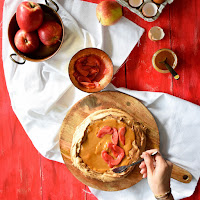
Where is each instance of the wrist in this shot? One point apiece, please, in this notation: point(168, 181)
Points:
point(169, 198)
point(165, 196)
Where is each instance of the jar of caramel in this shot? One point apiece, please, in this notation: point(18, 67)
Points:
point(162, 55)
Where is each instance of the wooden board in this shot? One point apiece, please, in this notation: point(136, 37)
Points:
point(140, 113)
point(103, 100)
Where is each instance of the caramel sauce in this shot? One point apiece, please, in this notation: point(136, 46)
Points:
point(92, 146)
point(161, 57)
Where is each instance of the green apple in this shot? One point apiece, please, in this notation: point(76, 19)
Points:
point(108, 12)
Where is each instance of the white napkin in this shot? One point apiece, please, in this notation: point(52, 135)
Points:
point(41, 93)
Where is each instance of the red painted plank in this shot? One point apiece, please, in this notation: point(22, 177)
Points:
point(119, 79)
point(20, 161)
point(58, 183)
point(185, 23)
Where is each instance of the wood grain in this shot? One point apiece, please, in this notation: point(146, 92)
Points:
point(181, 174)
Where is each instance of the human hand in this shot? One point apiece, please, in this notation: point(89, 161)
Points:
point(157, 171)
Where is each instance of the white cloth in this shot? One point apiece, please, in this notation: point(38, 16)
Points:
point(41, 93)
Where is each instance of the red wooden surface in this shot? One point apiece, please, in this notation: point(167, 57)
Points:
point(25, 174)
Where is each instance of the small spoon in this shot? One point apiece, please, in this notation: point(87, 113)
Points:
point(172, 71)
point(125, 167)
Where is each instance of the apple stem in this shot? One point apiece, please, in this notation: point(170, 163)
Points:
point(31, 5)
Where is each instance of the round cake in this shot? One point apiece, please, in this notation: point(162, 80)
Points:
point(107, 139)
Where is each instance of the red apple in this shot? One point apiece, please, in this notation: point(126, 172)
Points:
point(108, 12)
point(50, 32)
point(29, 16)
point(26, 42)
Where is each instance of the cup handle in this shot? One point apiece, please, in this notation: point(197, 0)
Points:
point(20, 63)
point(57, 8)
